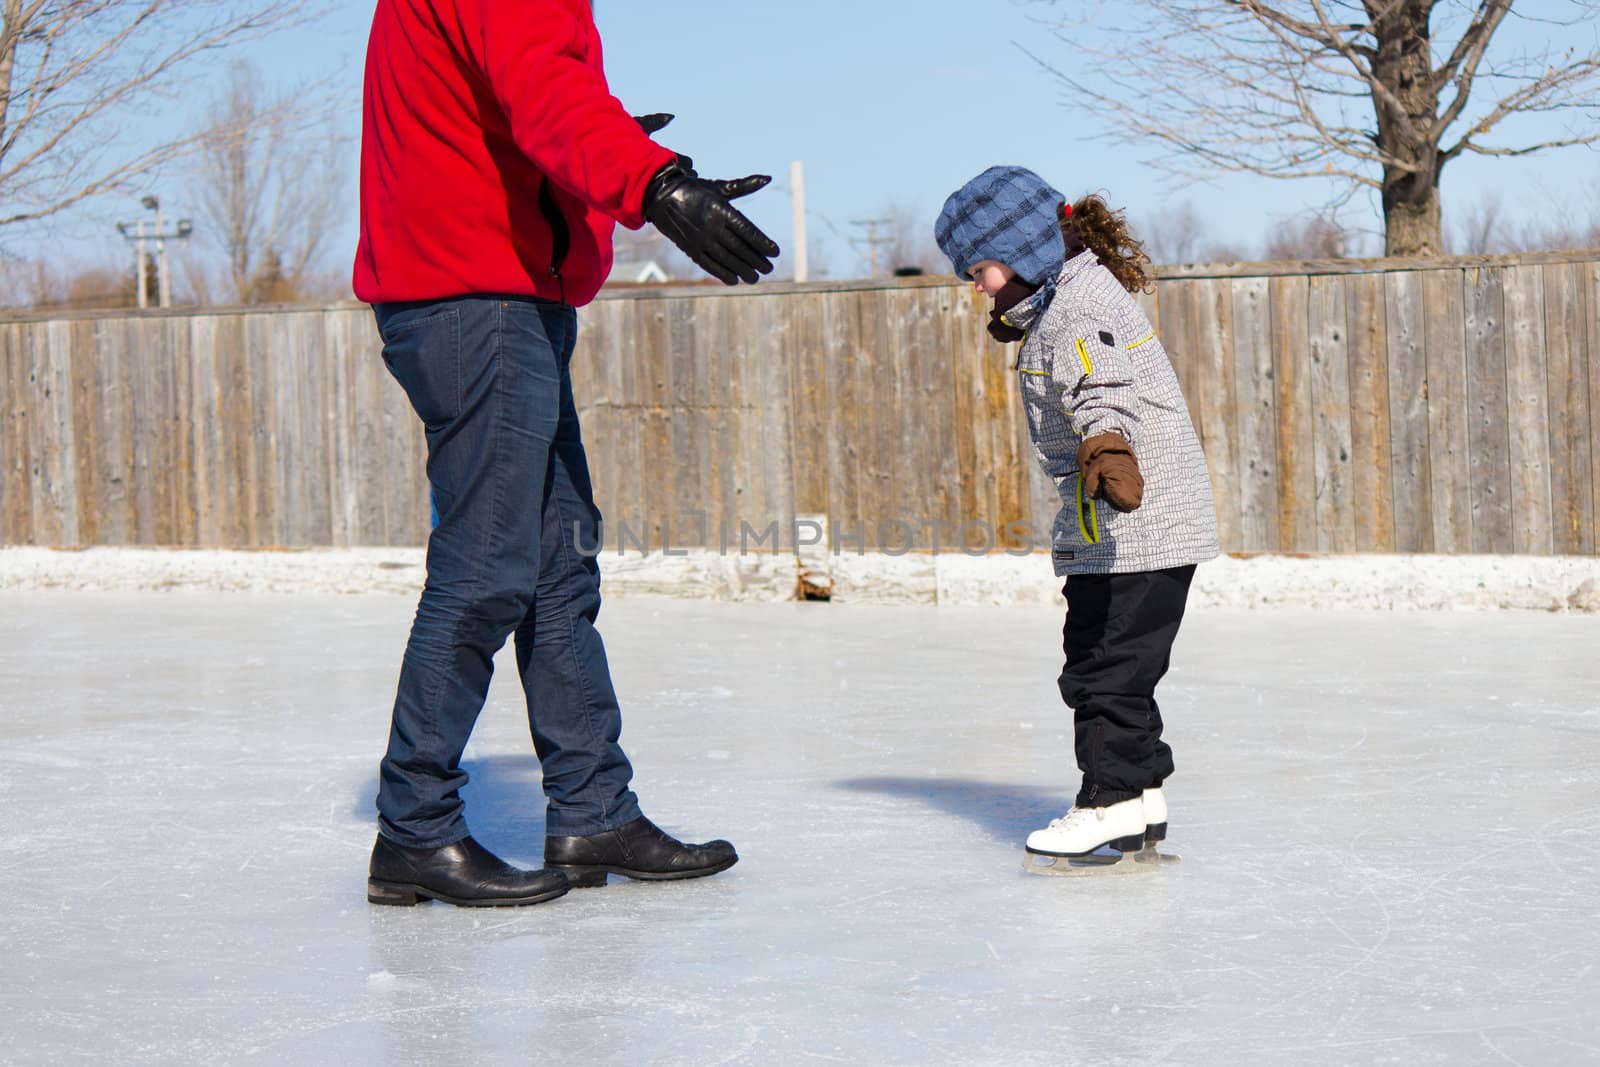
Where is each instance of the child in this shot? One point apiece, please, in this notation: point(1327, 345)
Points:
point(1109, 425)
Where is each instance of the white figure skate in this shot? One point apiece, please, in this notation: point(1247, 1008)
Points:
point(1113, 839)
point(1155, 816)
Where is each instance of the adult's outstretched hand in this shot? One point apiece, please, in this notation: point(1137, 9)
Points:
point(697, 215)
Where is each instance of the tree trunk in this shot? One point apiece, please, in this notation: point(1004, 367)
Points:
point(1406, 113)
point(1410, 228)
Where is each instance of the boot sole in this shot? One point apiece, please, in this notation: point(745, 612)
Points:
point(405, 895)
point(1156, 831)
point(1143, 861)
point(1131, 843)
point(591, 876)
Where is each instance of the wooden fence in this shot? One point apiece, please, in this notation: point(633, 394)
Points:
point(1347, 406)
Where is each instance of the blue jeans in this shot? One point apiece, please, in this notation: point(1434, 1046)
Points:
point(512, 553)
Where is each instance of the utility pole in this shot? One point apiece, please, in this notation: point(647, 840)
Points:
point(797, 190)
point(139, 236)
point(144, 270)
point(872, 240)
point(163, 282)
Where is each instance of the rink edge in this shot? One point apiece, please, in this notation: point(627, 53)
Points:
point(1428, 583)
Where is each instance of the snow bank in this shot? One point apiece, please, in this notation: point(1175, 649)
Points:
point(1431, 583)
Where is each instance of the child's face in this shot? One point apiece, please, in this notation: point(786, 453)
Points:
point(989, 276)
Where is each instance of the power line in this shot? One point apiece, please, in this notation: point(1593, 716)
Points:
point(872, 240)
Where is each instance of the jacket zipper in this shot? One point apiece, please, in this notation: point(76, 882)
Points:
point(1088, 518)
point(560, 235)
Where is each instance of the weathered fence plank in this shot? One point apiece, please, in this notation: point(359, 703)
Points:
point(57, 482)
point(688, 436)
point(846, 394)
point(1568, 415)
point(1297, 511)
point(1181, 339)
point(1371, 473)
point(806, 359)
point(17, 396)
point(185, 507)
point(1330, 405)
point(1528, 412)
point(175, 397)
point(1590, 277)
point(1408, 412)
point(1488, 430)
point(341, 465)
point(372, 384)
point(1442, 404)
point(1255, 413)
point(88, 431)
point(1211, 334)
point(216, 517)
point(931, 421)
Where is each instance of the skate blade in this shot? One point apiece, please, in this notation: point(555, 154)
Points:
point(1108, 861)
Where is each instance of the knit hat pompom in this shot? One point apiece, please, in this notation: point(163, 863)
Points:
point(1009, 215)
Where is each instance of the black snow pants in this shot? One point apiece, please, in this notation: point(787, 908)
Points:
point(1118, 640)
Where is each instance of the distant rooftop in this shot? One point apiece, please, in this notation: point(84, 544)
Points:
point(636, 272)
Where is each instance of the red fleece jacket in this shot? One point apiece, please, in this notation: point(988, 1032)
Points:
point(494, 158)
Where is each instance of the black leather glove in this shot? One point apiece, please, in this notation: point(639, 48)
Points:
point(694, 213)
point(654, 123)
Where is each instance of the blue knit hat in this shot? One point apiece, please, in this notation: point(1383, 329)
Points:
point(1007, 214)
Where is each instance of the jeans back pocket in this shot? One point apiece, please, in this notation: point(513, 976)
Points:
point(424, 355)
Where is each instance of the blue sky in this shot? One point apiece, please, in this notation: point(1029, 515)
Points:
point(886, 104)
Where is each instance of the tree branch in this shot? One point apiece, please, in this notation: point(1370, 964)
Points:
point(1535, 96)
point(1468, 54)
point(88, 62)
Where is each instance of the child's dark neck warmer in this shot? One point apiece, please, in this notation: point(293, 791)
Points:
point(1014, 293)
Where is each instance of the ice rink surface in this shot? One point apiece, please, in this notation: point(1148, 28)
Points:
point(1387, 824)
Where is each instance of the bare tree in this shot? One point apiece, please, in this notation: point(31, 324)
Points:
point(1561, 226)
point(1371, 94)
point(1179, 234)
point(1317, 237)
point(197, 280)
point(907, 242)
point(25, 282)
point(1174, 234)
point(1541, 222)
point(819, 264)
point(1483, 227)
point(37, 285)
point(271, 182)
point(72, 70)
point(98, 287)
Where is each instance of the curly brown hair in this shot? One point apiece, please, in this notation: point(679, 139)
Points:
point(1093, 225)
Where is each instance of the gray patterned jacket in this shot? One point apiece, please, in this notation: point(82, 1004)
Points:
point(1091, 363)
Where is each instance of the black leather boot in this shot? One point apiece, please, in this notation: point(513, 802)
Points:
point(638, 849)
point(464, 873)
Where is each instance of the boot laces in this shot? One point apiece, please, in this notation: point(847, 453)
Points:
point(1075, 816)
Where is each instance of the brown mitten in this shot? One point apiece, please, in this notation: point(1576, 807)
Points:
point(1110, 471)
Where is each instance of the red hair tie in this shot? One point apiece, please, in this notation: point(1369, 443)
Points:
point(1066, 211)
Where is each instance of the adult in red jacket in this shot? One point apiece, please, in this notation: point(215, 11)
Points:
point(494, 164)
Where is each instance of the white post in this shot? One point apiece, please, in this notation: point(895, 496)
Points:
point(144, 270)
point(163, 284)
point(797, 186)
